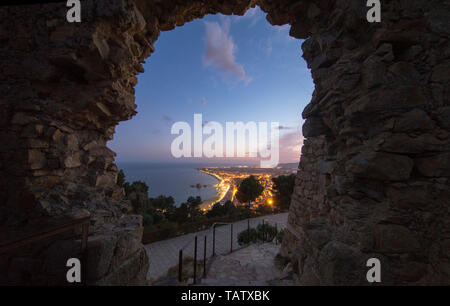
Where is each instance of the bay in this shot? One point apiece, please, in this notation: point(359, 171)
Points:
point(171, 179)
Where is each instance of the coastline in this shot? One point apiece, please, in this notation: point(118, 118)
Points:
point(222, 189)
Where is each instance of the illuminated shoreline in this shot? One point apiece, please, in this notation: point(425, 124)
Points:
point(230, 178)
point(222, 187)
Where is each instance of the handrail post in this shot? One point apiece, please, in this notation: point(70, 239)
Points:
point(231, 244)
point(214, 240)
point(204, 259)
point(180, 266)
point(195, 260)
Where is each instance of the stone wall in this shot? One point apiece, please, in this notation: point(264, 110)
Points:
point(64, 88)
point(374, 172)
point(373, 179)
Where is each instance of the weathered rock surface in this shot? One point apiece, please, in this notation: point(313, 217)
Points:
point(373, 178)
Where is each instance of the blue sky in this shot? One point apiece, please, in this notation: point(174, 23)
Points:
point(227, 68)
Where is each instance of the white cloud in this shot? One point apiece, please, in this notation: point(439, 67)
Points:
point(220, 50)
point(291, 146)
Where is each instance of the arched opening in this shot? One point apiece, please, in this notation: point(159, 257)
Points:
point(226, 68)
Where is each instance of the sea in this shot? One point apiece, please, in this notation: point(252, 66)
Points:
point(171, 179)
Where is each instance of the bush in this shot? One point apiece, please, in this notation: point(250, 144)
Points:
point(280, 236)
point(167, 229)
point(226, 210)
point(147, 220)
point(247, 236)
point(266, 232)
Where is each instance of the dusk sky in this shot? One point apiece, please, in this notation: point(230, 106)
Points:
point(227, 68)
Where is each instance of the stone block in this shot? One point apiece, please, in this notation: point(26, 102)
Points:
point(314, 127)
point(100, 253)
point(72, 161)
point(36, 159)
point(380, 166)
point(434, 166)
point(391, 238)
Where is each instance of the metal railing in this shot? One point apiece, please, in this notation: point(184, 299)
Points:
point(211, 231)
point(51, 231)
point(215, 251)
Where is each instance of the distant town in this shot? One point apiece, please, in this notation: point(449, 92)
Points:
point(230, 178)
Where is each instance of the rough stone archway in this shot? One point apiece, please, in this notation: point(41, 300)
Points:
point(373, 180)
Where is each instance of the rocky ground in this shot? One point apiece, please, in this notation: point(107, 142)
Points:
point(254, 265)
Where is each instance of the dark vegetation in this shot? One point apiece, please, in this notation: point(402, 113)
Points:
point(249, 190)
point(263, 233)
point(283, 187)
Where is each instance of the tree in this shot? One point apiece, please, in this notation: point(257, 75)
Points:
point(187, 211)
point(180, 214)
point(264, 209)
point(139, 202)
point(218, 210)
point(137, 186)
point(249, 190)
point(193, 207)
point(137, 193)
point(229, 208)
point(120, 178)
point(283, 187)
point(163, 203)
